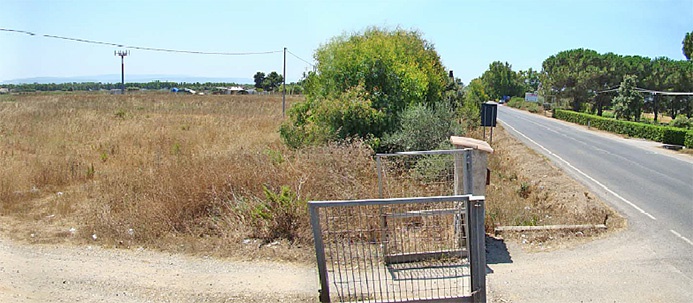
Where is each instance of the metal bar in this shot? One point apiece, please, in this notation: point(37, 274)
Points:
point(416, 257)
point(423, 213)
point(423, 152)
point(468, 172)
point(427, 300)
point(477, 253)
point(319, 253)
point(458, 175)
point(379, 167)
point(413, 200)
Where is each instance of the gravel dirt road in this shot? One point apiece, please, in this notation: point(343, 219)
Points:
point(57, 273)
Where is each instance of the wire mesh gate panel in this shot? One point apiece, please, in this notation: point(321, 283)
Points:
point(420, 173)
point(394, 250)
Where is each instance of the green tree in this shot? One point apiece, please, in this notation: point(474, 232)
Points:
point(500, 80)
point(385, 70)
point(530, 80)
point(629, 102)
point(272, 81)
point(259, 79)
point(688, 45)
point(474, 96)
point(572, 74)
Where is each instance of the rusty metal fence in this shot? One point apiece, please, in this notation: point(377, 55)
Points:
point(400, 249)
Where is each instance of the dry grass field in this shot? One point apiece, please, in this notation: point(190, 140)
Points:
point(209, 175)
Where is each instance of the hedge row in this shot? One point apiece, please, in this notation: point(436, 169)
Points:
point(664, 134)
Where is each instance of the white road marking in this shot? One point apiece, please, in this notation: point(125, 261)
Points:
point(582, 173)
point(680, 236)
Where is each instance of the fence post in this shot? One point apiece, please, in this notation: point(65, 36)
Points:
point(468, 172)
point(477, 253)
point(379, 167)
point(319, 253)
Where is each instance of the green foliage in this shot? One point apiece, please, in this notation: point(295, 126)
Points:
point(259, 77)
point(681, 121)
point(578, 74)
point(664, 134)
point(275, 156)
point(674, 135)
point(269, 82)
point(530, 79)
point(516, 102)
point(281, 215)
point(364, 84)
point(689, 139)
point(396, 69)
point(525, 190)
point(434, 168)
point(629, 102)
point(688, 45)
point(500, 80)
point(121, 114)
point(474, 96)
point(348, 115)
point(422, 128)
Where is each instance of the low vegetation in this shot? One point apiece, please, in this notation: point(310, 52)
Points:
point(200, 174)
point(664, 134)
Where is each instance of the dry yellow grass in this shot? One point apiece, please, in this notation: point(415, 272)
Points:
point(169, 171)
point(187, 173)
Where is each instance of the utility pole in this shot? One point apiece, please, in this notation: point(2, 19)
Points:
point(122, 55)
point(284, 87)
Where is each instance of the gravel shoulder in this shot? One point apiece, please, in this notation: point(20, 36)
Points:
point(617, 268)
point(64, 273)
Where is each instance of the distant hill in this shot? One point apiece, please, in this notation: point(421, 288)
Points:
point(128, 79)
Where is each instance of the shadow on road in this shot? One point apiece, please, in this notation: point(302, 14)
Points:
point(497, 251)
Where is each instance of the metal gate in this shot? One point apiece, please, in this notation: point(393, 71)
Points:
point(400, 249)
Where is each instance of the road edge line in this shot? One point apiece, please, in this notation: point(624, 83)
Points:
point(642, 211)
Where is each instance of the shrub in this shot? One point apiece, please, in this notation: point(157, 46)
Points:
point(281, 216)
point(681, 121)
point(673, 135)
point(422, 128)
point(323, 120)
point(664, 134)
point(516, 102)
point(689, 139)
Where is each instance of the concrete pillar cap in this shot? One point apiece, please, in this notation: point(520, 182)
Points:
point(466, 142)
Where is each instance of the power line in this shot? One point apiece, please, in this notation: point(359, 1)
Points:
point(299, 58)
point(655, 92)
point(141, 47)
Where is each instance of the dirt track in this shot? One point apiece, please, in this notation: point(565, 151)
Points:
point(43, 273)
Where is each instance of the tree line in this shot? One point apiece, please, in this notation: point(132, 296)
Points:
point(588, 81)
point(582, 76)
point(95, 86)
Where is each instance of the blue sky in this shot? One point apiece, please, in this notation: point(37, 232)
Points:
point(468, 35)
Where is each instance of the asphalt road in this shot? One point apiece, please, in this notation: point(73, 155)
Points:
point(651, 186)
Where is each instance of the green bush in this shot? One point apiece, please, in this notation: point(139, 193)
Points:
point(322, 120)
point(682, 122)
point(422, 128)
point(664, 134)
point(689, 139)
point(282, 215)
point(532, 107)
point(516, 102)
point(674, 135)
